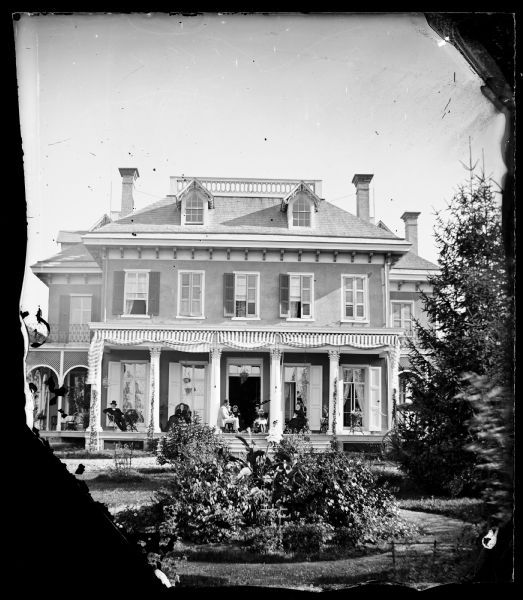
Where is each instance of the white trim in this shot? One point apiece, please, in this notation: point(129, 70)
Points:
point(245, 318)
point(366, 318)
point(202, 295)
point(136, 270)
point(134, 317)
point(81, 295)
point(411, 274)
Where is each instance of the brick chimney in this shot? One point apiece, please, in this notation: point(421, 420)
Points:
point(128, 178)
point(362, 195)
point(411, 229)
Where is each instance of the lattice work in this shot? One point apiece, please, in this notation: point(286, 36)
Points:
point(50, 358)
point(74, 358)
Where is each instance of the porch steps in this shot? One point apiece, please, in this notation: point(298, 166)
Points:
point(319, 442)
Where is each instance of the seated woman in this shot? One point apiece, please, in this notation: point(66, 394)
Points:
point(299, 419)
point(182, 414)
point(260, 423)
point(235, 412)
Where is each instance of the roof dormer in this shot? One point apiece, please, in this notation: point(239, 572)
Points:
point(194, 202)
point(301, 205)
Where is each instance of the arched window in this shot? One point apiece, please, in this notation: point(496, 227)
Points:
point(194, 210)
point(301, 213)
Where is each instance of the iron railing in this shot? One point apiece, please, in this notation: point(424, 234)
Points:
point(72, 333)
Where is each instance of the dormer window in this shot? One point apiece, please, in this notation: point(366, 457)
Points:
point(194, 210)
point(301, 213)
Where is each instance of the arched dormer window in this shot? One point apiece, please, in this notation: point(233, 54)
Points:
point(194, 210)
point(301, 213)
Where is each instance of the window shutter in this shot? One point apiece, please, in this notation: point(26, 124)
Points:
point(154, 293)
point(316, 399)
point(64, 308)
point(114, 370)
point(284, 295)
point(173, 398)
point(375, 399)
point(228, 294)
point(95, 307)
point(118, 290)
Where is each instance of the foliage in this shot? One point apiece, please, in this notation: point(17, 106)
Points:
point(264, 540)
point(190, 443)
point(304, 538)
point(493, 444)
point(471, 510)
point(469, 314)
point(292, 446)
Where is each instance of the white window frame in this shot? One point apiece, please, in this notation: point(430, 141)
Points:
point(186, 221)
point(412, 304)
point(310, 203)
point(366, 394)
point(90, 296)
point(311, 317)
point(366, 307)
point(202, 294)
point(256, 317)
point(146, 315)
point(283, 381)
point(148, 375)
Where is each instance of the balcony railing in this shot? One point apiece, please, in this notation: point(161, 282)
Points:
point(245, 187)
point(71, 334)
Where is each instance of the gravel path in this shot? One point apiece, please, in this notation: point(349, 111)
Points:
point(103, 464)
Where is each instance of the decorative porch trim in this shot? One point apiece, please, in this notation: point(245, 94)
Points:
point(315, 340)
point(246, 339)
point(182, 340)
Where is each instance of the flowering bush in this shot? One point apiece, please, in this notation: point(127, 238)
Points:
point(304, 538)
point(190, 443)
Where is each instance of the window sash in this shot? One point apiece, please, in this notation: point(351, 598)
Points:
point(354, 393)
point(191, 284)
point(300, 296)
point(136, 292)
point(245, 295)
point(301, 213)
point(402, 315)
point(355, 298)
point(80, 310)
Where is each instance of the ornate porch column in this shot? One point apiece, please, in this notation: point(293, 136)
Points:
point(394, 360)
point(96, 350)
point(154, 391)
point(335, 418)
point(276, 412)
point(214, 406)
point(59, 399)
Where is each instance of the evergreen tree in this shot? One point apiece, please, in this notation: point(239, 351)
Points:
point(468, 332)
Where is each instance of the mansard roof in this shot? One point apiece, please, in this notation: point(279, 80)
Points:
point(262, 215)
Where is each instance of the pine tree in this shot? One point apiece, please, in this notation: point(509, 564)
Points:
point(469, 332)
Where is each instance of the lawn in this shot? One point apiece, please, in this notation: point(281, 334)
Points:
point(418, 564)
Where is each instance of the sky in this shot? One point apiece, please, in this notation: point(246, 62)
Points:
point(261, 96)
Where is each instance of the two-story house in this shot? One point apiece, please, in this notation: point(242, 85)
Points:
point(258, 291)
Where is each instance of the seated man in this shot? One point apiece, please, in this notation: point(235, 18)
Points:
point(116, 415)
point(226, 417)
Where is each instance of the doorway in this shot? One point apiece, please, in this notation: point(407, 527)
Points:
point(244, 383)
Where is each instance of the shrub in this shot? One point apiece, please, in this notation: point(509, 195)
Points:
point(264, 540)
point(190, 443)
point(304, 538)
point(292, 446)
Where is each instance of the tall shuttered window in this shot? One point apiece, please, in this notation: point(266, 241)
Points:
point(136, 292)
point(241, 295)
point(296, 293)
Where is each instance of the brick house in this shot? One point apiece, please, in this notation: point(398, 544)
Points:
point(259, 291)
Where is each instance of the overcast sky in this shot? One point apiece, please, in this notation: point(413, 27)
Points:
point(306, 97)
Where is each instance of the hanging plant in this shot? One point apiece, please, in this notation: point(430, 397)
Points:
point(186, 379)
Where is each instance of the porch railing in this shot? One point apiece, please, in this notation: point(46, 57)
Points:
point(74, 332)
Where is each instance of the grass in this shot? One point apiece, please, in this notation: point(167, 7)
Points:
point(471, 510)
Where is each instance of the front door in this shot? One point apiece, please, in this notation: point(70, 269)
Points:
point(193, 388)
point(244, 383)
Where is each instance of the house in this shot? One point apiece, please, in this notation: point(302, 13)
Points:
point(258, 291)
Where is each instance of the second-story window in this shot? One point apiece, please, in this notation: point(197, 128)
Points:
point(296, 293)
point(136, 292)
point(301, 213)
point(241, 291)
point(355, 298)
point(402, 314)
point(194, 210)
point(190, 295)
point(80, 310)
